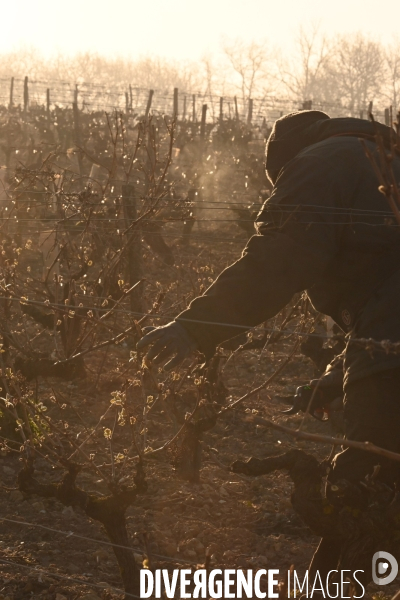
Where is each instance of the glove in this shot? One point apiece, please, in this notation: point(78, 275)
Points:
point(321, 399)
point(169, 340)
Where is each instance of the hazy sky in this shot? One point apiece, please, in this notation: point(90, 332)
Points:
point(180, 28)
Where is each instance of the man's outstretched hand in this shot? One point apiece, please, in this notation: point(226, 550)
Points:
point(168, 340)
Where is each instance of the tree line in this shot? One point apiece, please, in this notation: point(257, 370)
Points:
point(348, 70)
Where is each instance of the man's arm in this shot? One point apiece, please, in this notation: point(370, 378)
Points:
point(272, 269)
point(297, 238)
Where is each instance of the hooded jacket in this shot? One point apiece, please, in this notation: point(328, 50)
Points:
point(325, 229)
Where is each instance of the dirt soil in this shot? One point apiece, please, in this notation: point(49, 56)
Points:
point(244, 522)
point(53, 552)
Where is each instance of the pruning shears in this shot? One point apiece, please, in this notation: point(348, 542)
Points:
point(320, 401)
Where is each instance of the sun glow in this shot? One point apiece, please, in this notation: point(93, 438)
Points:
point(179, 29)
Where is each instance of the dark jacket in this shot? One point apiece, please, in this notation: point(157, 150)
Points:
point(326, 229)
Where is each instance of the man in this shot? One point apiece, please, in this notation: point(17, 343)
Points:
point(328, 230)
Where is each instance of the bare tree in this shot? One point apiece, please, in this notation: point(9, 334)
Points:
point(348, 70)
point(113, 73)
point(22, 61)
point(250, 63)
point(392, 63)
point(306, 76)
point(358, 70)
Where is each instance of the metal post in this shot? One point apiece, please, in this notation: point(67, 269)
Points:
point(236, 108)
point(194, 108)
point(26, 95)
point(175, 113)
point(203, 122)
point(184, 108)
point(11, 93)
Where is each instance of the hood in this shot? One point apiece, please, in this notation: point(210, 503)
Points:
point(294, 132)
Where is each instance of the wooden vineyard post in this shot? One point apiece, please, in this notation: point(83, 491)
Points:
point(221, 109)
point(175, 109)
point(236, 109)
point(250, 113)
point(126, 103)
point(203, 122)
point(76, 95)
point(387, 117)
point(11, 93)
point(26, 95)
point(361, 114)
point(370, 107)
point(184, 109)
point(134, 247)
point(48, 103)
point(130, 98)
point(194, 108)
point(149, 101)
point(77, 135)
